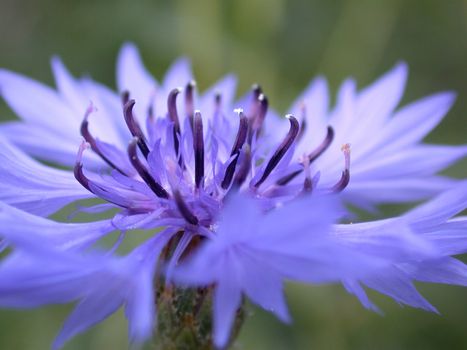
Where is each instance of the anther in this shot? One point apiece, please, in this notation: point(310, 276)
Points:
point(84, 129)
point(189, 100)
point(172, 108)
point(345, 177)
point(173, 115)
point(307, 183)
point(281, 150)
point(134, 127)
point(143, 172)
point(241, 133)
point(238, 144)
point(311, 157)
point(323, 146)
point(245, 166)
point(78, 169)
point(183, 209)
point(256, 91)
point(198, 148)
point(125, 97)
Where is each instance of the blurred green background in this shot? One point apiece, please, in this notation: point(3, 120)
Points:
point(282, 45)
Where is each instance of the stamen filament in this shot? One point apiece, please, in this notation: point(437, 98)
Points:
point(143, 172)
point(198, 148)
point(189, 103)
point(238, 144)
point(345, 177)
point(92, 141)
point(311, 157)
point(281, 150)
point(183, 209)
point(134, 127)
point(173, 115)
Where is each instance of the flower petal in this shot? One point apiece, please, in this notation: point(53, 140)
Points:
point(33, 187)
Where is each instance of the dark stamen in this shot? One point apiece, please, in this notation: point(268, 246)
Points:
point(281, 150)
point(184, 210)
point(134, 127)
point(263, 109)
point(287, 178)
point(308, 183)
point(345, 177)
point(238, 144)
point(92, 141)
point(311, 157)
point(173, 115)
point(172, 108)
point(125, 97)
point(257, 119)
point(78, 169)
point(143, 172)
point(198, 148)
point(189, 103)
point(256, 91)
point(245, 166)
point(323, 146)
point(241, 133)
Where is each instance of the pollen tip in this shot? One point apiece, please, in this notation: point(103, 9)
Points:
point(289, 116)
point(191, 83)
point(238, 110)
point(345, 148)
point(82, 147)
point(129, 104)
point(125, 96)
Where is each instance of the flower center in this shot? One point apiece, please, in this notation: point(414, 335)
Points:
point(190, 183)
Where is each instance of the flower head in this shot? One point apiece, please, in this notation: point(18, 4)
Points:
point(238, 199)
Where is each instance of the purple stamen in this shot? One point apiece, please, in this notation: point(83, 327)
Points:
point(256, 91)
point(125, 97)
point(238, 144)
point(78, 169)
point(134, 127)
point(281, 150)
point(311, 157)
point(183, 209)
point(189, 101)
point(245, 166)
point(143, 172)
point(198, 147)
point(172, 108)
point(323, 146)
point(308, 182)
point(263, 109)
point(173, 115)
point(257, 119)
point(345, 177)
point(92, 141)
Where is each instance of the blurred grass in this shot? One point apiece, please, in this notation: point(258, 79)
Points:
point(282, 45)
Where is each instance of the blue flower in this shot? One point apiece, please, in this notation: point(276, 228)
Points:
point(238, 200)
